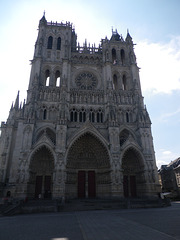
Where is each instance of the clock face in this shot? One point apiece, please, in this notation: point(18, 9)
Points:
point(86, 81)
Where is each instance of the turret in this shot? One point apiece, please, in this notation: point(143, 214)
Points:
point(129, 38)
point(43, 20)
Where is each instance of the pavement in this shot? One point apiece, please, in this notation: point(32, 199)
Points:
point(122, 224)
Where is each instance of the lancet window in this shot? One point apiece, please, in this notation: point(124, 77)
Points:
point(59, 43)
point(124, 82)
point(115, 82)
point(114, 58)
point(122, 56)
point(91, 116)
point(57, 79)
point(127, 116)
point(50, 42)
point(99, 116)
point(82, 115)
point(47, 78)
point(73, 115)
point(44, 114)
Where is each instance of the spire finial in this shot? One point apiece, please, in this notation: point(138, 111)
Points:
point(16, 105)
point(44, 13)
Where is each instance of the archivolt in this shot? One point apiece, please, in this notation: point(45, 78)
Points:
point(88, 152)
point(132, 160)
point(42, 156)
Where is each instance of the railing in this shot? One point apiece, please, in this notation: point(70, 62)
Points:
point(67, 24)
point(89, 50)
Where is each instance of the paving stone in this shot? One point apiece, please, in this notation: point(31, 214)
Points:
point(127, 224)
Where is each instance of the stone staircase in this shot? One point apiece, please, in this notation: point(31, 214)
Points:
point(91, 204)
point(39, 206)
point(32, 206)
point(10, 209)
point(105, 204)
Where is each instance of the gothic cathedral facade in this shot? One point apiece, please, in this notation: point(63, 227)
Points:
point(83, 131)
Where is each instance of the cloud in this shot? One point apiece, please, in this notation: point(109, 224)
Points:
point(159, 63)
point(165, 156)
point(166, 116)
point(166, 152)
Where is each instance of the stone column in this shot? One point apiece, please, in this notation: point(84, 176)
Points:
point(59, 177)
point(117, 184)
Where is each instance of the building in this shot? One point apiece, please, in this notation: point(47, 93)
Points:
point(83, 131)
point(170, 178)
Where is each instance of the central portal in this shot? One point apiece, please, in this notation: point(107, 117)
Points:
point(88, 169)
point(86, 184)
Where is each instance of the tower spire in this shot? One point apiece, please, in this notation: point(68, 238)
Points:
point(16, 105)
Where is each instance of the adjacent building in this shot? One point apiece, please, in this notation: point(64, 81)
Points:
point(170, 178)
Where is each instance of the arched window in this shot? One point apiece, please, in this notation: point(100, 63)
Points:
point(127, 116)
point(91, 116)
point(57, 79)
point(47, 82)
point(44, 114)
point(99, 116)
point(114, 59)
point(73, 115)
point(124, 82)
point(82, 116)
point(59, 43)
point(115, 82)
point(47, 78)
point(122, 56)
point(50, 42)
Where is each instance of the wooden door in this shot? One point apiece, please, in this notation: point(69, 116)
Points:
point(126, 186)
point(133, 186)
point(38, 187)
point(91, 184)
point(81, 184)
point(47, 187)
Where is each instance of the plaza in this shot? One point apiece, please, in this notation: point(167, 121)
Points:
point(125, 224)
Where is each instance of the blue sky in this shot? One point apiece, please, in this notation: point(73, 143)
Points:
point(154, 26)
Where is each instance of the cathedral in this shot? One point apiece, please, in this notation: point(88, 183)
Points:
point(83, 130)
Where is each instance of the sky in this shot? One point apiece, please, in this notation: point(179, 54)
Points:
point(154, 26)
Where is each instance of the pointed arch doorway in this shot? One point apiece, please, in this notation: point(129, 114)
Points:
point(133, 173)
point(88, 168)
point(41, 174)
point(86, 184)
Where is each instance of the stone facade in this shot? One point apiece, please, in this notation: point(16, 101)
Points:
point(83, 131)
